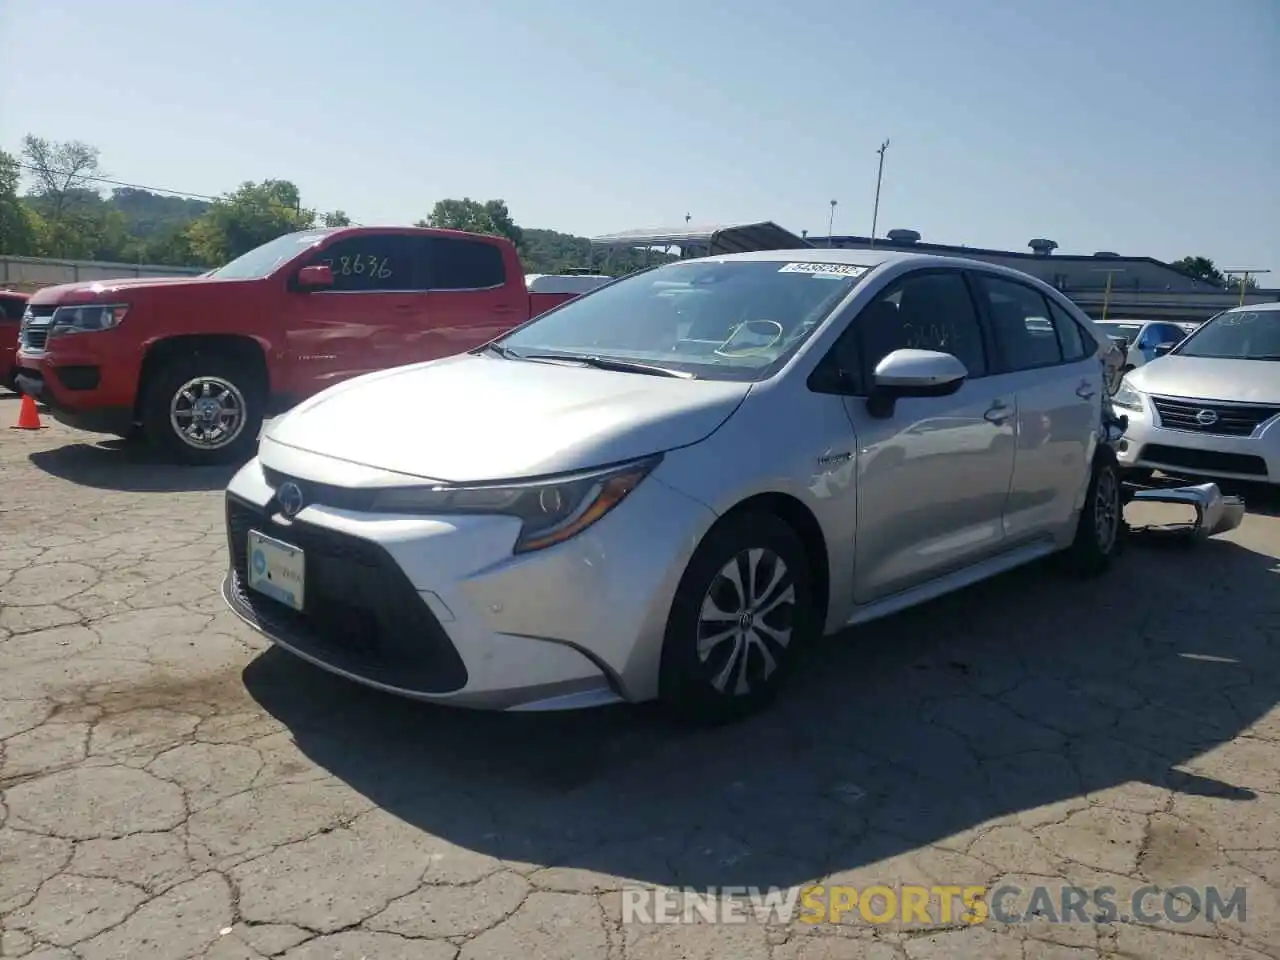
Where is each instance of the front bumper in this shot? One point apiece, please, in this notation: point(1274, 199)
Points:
point(439, 609)
point(82, 386)
point(1147, 443)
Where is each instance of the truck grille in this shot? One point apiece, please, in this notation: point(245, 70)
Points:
point(33, 334)
point(361, 616)
point(1212, 416)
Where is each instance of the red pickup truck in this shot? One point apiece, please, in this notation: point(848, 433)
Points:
point(195, 363)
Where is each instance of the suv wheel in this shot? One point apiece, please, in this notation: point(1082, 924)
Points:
point(1101, 530)
point(204, 409)
point(743, 610)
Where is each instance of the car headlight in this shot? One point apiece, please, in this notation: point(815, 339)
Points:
point(87, 318)
point(1126, 397)
point(551, 511)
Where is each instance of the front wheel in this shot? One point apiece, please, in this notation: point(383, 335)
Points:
point(743, 610)
point(204, 409)
point(1101, 529)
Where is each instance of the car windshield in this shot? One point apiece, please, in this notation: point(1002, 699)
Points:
point(261, 261)
point(714, 319)
point(1236, 335)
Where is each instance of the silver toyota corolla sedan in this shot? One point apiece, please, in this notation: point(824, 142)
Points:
point(1211, 405)
point(666, 488)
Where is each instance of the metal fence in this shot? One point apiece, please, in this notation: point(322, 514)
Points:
point(32, 273)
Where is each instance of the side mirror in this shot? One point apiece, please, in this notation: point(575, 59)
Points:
point(317, 277)
point(1163, 348)
point(913, 373)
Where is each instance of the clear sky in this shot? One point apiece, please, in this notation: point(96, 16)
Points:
point(1140, 126)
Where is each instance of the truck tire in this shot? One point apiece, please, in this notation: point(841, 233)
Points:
point(204, 409)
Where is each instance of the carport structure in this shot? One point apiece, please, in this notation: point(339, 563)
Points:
point(699, 241)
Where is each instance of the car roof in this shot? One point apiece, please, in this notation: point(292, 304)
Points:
point(873, 259)
point(1250, 307)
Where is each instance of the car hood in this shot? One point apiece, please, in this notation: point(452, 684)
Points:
point(90, 291)
point(470, 419)
point(1209, 378)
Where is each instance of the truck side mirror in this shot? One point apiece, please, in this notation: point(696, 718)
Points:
point(318, 277)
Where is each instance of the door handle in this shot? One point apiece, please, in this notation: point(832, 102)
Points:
point(1085, 391)
point(998, 412)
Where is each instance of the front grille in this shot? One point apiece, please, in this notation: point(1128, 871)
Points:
point(343, 498)
point(1203, 460)
point(362, 615)
point(1227, 420)
point(33, 334)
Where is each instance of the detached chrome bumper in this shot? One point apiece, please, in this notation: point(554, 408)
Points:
point(1214, 512)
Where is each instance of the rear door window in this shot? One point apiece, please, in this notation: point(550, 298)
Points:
point(1076, 344)
point(459, 264)
point(1020, 320)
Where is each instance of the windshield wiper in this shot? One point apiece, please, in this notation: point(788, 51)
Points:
point(609, 363)
point(496, 349)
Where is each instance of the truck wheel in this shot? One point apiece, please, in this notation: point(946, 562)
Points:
point(742, 612)
point(204, 409)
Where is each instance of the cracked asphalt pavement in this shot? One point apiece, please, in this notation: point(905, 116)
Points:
point(170, 787)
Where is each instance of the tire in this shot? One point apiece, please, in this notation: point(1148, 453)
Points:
point(1098, 542)
point(240, 412)
point(732, 678)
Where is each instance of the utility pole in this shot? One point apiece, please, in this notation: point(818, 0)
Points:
point(1244, 279)
point(875, 211)
point(831, 221)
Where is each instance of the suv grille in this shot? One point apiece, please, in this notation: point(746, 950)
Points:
point(34, 332)
point(362, 615)
point(1212, 416)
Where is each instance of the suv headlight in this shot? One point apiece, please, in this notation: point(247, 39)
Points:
point(1127, 398)
point(552, 510)
point(87, 318)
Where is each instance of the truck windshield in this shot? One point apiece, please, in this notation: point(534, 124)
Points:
point(1236, 335)
point(261, 261)
point(714, 319)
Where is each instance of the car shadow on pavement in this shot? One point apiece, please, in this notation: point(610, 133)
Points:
point(128, 466)
point(1022, 692)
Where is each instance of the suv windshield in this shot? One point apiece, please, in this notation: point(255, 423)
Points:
point(1236, 335)
point(716, 319)
point(261, 261)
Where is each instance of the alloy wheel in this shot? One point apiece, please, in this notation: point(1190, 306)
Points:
point(207, 413)
point(746, 620)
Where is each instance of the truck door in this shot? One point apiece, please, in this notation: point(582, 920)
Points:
point(472, 297)
point(367, 321)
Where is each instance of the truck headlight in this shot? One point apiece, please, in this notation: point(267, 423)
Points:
point(87, 318)
point(1127, 398)
point(551, 511)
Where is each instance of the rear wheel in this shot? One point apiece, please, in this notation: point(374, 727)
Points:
point(204, 409)
point(743, 610)
point(1101, 530)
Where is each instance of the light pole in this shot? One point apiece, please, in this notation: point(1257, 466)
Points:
point(831, 221)
point(1244, 279)
point(875, 211)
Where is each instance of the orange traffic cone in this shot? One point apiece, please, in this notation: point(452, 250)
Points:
point(28, 415)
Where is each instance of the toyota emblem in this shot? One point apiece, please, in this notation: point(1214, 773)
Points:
point(1206, 418)
point(290, 498)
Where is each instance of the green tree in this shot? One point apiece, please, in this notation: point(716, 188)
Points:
point(1202, 268)
point(336, 218)
point(63, 174)
point(247, 218)
point(491, 217)
point(17, 225)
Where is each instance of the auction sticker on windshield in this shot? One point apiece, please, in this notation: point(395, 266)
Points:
point(826, 269)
